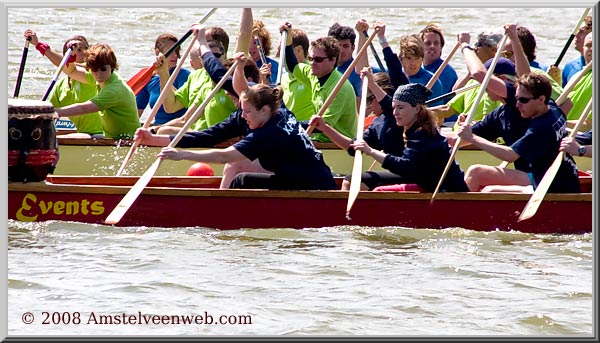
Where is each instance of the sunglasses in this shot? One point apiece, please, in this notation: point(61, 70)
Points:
point(317, 59)
point(507, 54)
point(217, 54)
point(525, 100)
point(103, 68)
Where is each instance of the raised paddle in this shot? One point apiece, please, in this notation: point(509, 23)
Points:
point(138, 81)
point(157, 105)
point(261, 52)
point(21, 68)
point(484, 84)
point(540, 192)
point(440, 69)
point(57, 73)
point(575, 30)
point(374, 51)
point(281, 56)
point(355, 181)
point(122, 207)
point(343, 79)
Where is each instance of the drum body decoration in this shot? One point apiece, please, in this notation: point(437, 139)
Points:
point(32, 143)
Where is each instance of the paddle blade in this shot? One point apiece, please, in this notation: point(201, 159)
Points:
point(141, 79)
point(540, 192)
point(355, 182)
point(122, 207)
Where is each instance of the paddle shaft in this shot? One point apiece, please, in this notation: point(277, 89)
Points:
point(156, 107)
point(440, 69)
point(123, 206)
point(356, 179)
point(58, 70)
point(21, 68)
point(451, 94)
point(540, 192)
point(343, 79)
point(482, 90)
point(261, 52)
point(571, 37)
point(281, 56)
point(375, 55)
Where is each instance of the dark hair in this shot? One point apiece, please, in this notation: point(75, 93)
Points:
point(160, 41)
point(432, 28)
point(263, 34)
point(299, 38)
point(251, 70)
point(536, 84)
point(488, 39)
point(340, 32)
point(411, 45)
point(80, 38)
point(527, 42)
point(426, 120)
point(261, 95)
point(330, 45)
point(217, 33)
point(101, 54)
point(382, 79)
point(216, 44)
point(588, 24)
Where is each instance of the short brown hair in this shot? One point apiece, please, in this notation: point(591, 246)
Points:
point(411, 46)
point(102, 54)
point(329, 44)
point(165, 37)
point(536, 84)
point(263, 34)
point(432, 28)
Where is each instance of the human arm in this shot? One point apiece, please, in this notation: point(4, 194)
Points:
point(145, 137)
point(170, 102)
point(290, 57)
point(392, 60)
point(229, 154)
point(461, 82)
point(339, 139)
point(570, 145)
point(363, 61)
point(77, 109)
point(521, 62)
point(240, 84)
point(502, 152)
point(361, 145)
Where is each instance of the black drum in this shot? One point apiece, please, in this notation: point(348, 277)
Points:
point(32, 144)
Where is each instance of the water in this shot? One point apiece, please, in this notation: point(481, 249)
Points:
point(329, 281)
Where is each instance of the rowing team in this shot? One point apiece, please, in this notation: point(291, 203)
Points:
point(276, 152)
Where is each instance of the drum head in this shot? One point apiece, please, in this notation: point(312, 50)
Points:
point(25, 108)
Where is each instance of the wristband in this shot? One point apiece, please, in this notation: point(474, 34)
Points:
point(42, 47)
point(382, 40)
point(71, 59)
point(466, 46)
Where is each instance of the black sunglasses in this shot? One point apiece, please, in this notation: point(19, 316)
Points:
point(525, 100)
point(103, 68)
point(217, 54)
point(317, 59)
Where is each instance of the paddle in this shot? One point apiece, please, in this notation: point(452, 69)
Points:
point(540, 192)
point(343, 79)
point(21, 68)
point(374, 53)
point(484, 84)
point(261, 52)
point(451, 94)
point(138, 81)
point(281, 56)
point(575, 30)
point(440, 69)
point(122, 207)
point(157, 105)
point(355, 181)
point(58, 70)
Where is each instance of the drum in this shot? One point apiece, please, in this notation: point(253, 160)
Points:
point(32, 144)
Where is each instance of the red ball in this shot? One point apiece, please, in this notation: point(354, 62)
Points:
point(200, 169)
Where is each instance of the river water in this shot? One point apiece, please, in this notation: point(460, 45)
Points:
point(328, 281)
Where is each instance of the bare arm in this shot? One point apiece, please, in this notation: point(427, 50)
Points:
point(340, 140)
point(77, 109)
point(502, 152)
point(226, 155)
point(363, 61)
point(478, 70)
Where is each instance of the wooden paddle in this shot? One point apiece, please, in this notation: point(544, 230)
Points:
point(451, 94)
point(281, 56)
point(440, 69)
point(575, 30)
point(482, 89)
point(355, 181)
point(138, 81)
point(66, 57)
point(377, 59)
point(157, 105)
point(540, 192)
point(21, 68)
point(343, 79)
point(122, 207)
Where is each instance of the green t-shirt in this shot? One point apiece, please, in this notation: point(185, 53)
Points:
point(463, 102)
point(557, 89)
point(580, 95)
point(297, 97)
point(341, 113)
point(65, 94)
point(118, 109)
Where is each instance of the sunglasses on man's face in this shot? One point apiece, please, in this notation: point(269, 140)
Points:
point(103, 69)
point(525, 100)
point(317, 59)
point(217, 54)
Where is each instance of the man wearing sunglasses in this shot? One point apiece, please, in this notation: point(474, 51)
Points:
point(321, 76)
point(529, 122)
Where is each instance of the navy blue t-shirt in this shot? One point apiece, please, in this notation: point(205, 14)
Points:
point(584, 138)
point(423, 161)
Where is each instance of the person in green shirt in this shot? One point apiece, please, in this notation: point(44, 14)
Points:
point(582, 91)
point(322, 76)
point(115, 100)
point(68, 91)
point(296, 95)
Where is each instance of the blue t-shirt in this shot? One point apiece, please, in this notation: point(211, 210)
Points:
point(539, 146)
point(423, 76)
point(507, 123)
point(397, 76)
point(572, 68)
point(538, 65)
point(423, 161)
point(584, 138)
point(151, 92)
point(353, 78)
point(448, 76)
point(274, 68)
